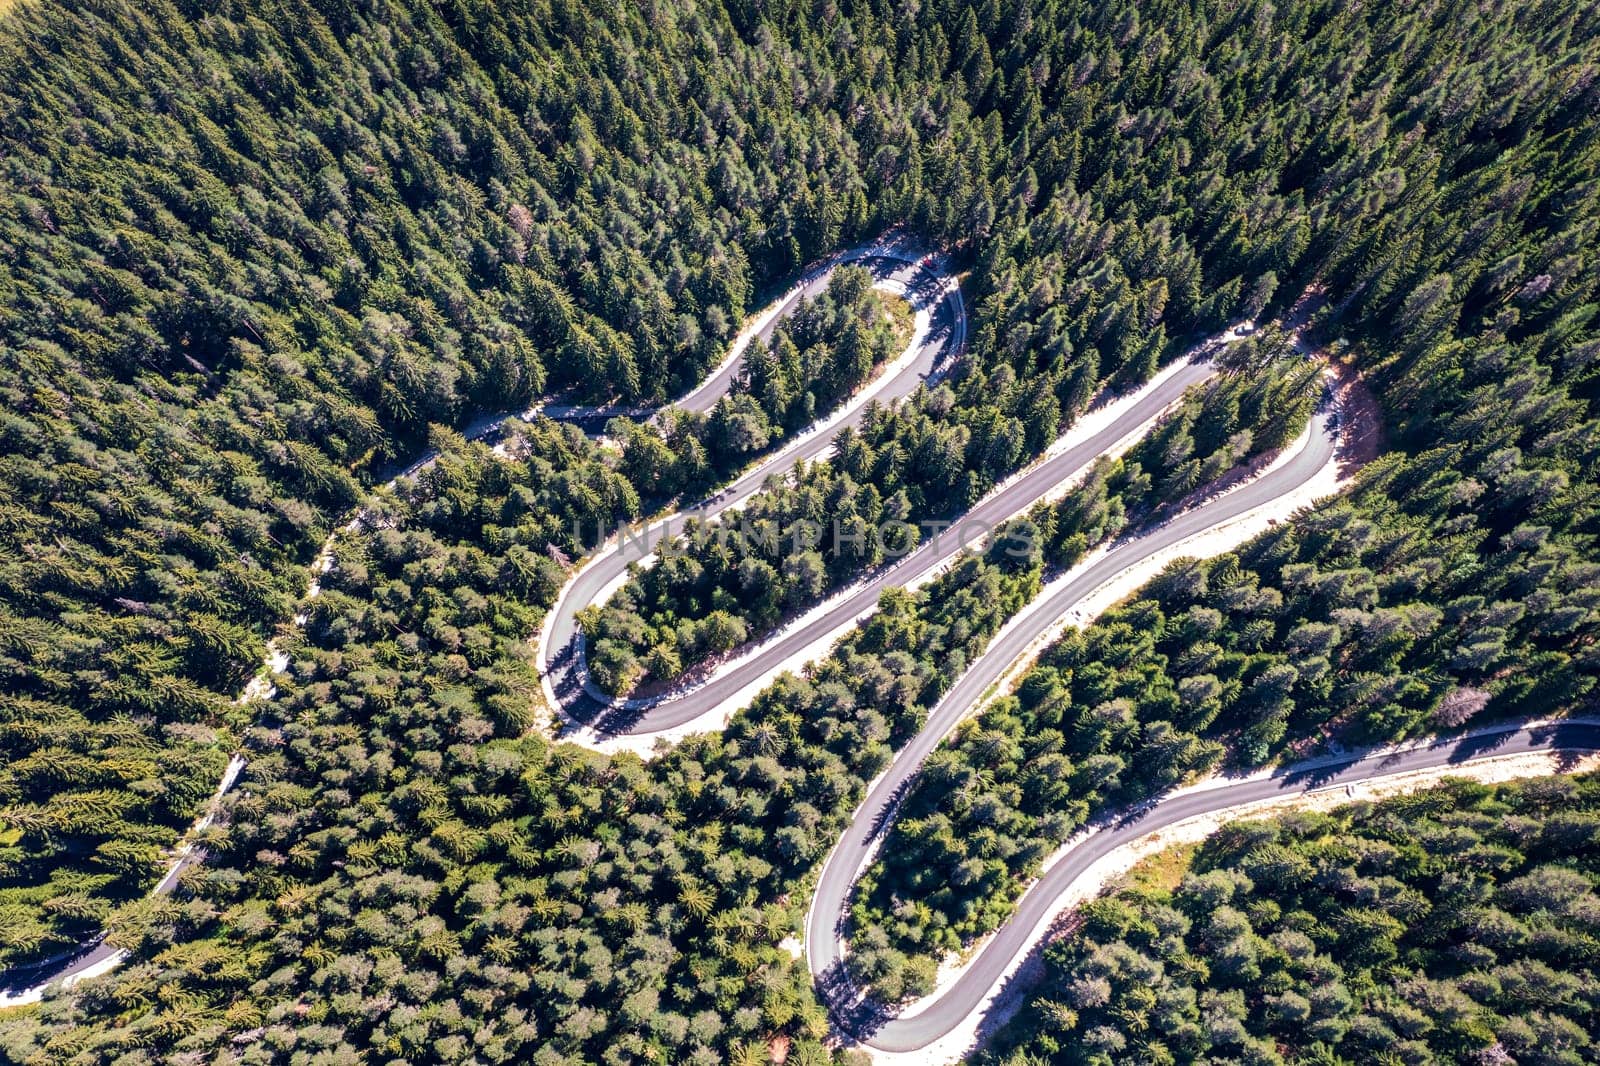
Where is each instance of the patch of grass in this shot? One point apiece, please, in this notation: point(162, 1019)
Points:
point(1161, 873)
point(895, 309)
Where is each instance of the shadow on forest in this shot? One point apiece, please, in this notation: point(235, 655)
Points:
point(854, 1013)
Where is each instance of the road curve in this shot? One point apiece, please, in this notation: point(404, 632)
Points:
point(561, 641)
point(858, 844)
point(967, 995)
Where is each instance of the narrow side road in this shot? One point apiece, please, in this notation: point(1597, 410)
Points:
point(892, 255)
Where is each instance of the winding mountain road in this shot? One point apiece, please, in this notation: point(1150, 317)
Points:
point(561, 645)
point(939, 335)
point(860, 842)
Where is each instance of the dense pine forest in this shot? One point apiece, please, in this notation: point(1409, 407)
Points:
point(1453, 925)
point(254, 258)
